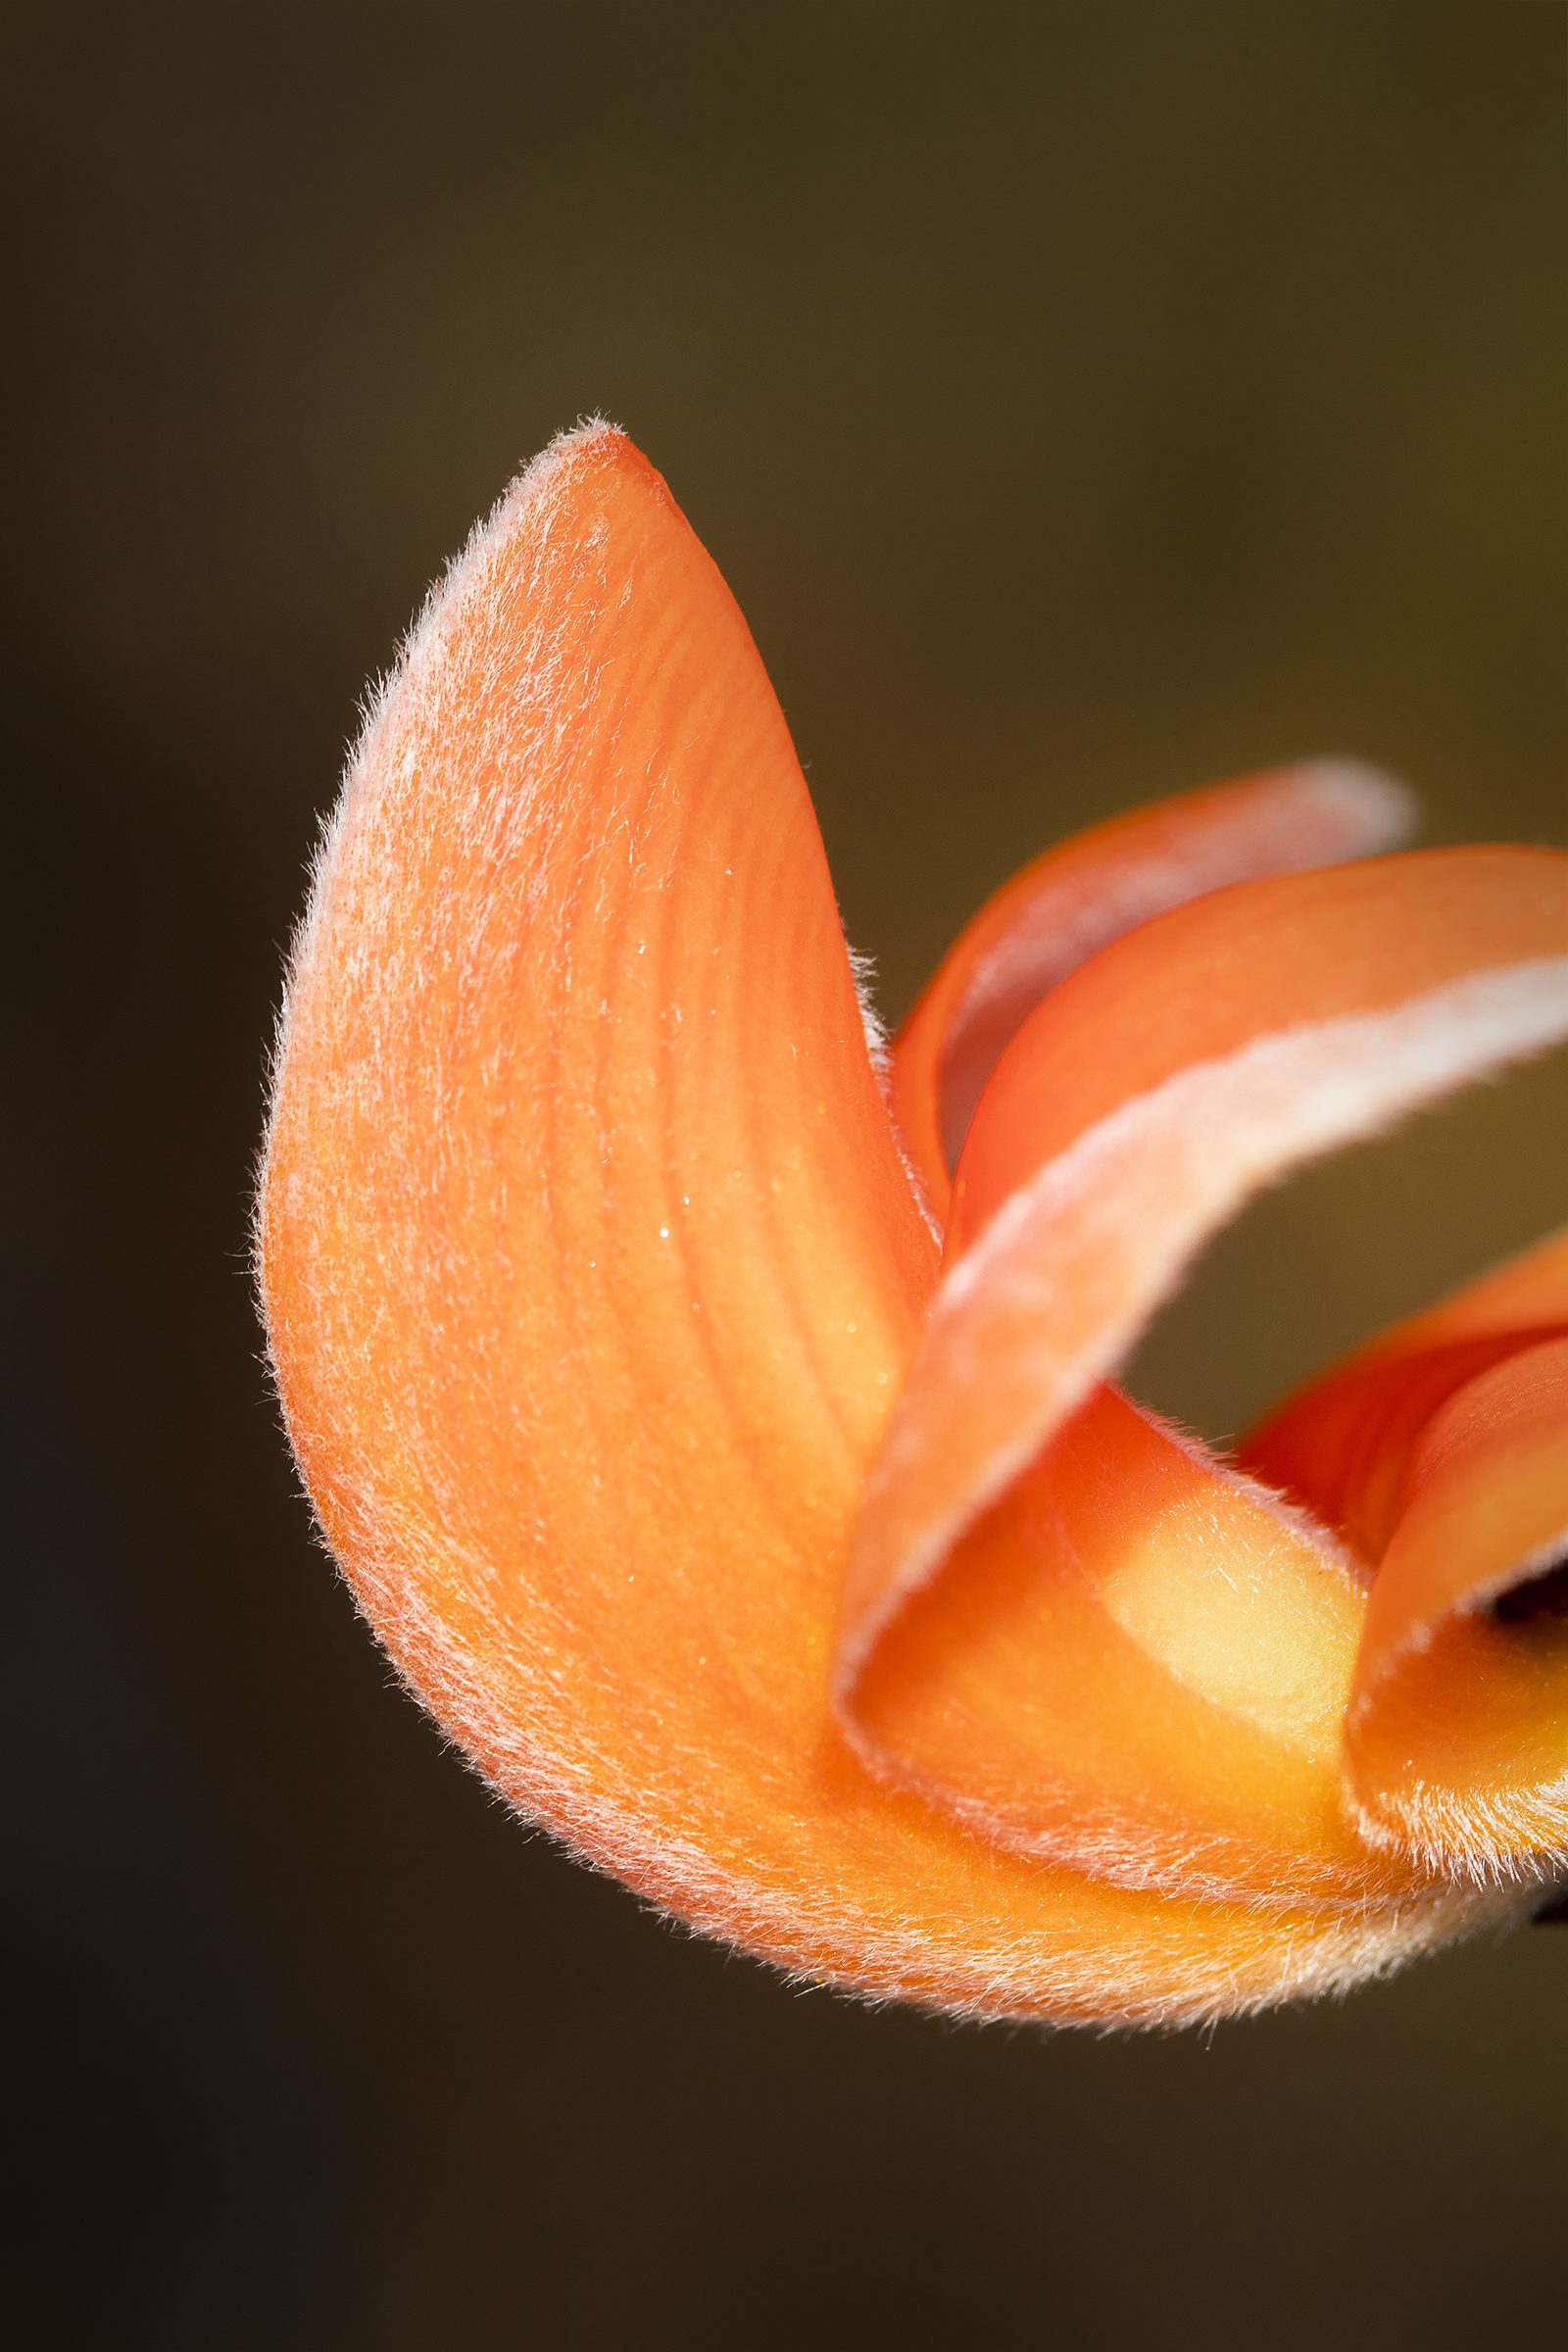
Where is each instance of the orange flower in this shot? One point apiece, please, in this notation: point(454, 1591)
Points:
point(793, 1559)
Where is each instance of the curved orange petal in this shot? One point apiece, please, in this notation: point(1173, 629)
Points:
point(1457, 1733)
point(1133, 1663)
point(1186, 1065)
point(1080, 895)
point(590, 1272)
point(1340, 1445)
point(1441, 1451)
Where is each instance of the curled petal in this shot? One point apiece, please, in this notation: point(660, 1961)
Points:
point(1078, 897)
point(1457, 1730)
point(1184, 1065)
point(1341, 1444)
point(1135, 1664)
point(1442, 1449)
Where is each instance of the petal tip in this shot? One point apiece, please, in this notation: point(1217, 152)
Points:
point(1375, 808)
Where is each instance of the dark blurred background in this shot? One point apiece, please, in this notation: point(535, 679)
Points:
point(1085, 400)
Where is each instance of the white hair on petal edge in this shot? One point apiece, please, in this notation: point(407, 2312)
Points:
point(374, 704)
point(864, 970)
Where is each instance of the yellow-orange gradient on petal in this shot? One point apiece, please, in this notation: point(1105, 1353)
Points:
point(806, 1576)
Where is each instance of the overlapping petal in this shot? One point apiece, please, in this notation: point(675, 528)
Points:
point(1137, 1662)
point(824, 1592)
point(1083, 894)
point(1443, 1450)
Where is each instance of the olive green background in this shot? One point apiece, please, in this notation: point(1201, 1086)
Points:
point(1085, 400)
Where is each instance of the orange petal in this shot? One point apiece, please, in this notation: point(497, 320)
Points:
point(1184, 1065)
point(1079, 896)
point(1340, 1445)
point(1440, 1453)
point(1457, 1733)
point(1438, 1450)
point(590, 1271)
point(1133, 1664)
